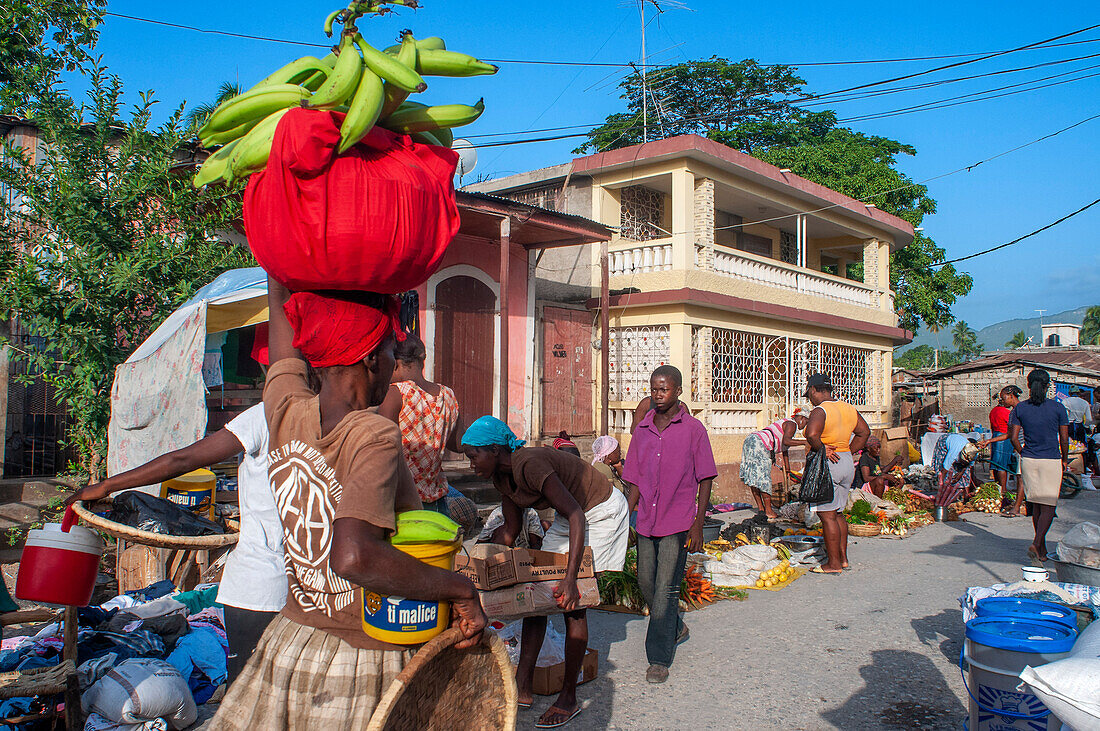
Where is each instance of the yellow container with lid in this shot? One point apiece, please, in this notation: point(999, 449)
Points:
point(401, 621)
point(194, 491)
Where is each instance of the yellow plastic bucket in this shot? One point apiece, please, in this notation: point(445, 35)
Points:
point(401, 621)
point(194, 491)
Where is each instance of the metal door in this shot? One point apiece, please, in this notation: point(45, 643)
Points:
point(465, 344)
point(567, 383)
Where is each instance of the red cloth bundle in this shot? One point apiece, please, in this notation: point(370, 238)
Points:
point(378, 217)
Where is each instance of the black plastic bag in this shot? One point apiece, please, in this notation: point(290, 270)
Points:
point(817, 481)
point(156, 515)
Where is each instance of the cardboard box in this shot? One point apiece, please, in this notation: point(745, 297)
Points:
point(491, 566)
point(550, 680)
point(533, 599)
point(895, 442)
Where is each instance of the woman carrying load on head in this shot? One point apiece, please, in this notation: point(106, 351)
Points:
point(427, 414)
point(339, 478)
point(761, 450)
point(588, 513)
point(1044, 457)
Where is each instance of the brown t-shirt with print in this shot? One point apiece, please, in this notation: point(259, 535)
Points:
point(531, 466)
point(355, 471)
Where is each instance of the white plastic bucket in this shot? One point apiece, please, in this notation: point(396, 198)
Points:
point(997, 649)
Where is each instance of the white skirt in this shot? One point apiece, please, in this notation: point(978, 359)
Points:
point(607, 530)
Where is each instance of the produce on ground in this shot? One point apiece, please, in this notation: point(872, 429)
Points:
point(696, 590)
point(987, 498)
point(370, 86)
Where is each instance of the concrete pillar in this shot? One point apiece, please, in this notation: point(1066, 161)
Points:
point(704, 220)
point(679, 348)
point(683, 210)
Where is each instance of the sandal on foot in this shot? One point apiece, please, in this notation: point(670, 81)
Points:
point(562, 712)
point(819, 570)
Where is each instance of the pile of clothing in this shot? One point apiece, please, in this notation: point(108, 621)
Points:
point(183, 630)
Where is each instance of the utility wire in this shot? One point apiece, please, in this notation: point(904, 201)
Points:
point(1018, 240)
point(543, 62)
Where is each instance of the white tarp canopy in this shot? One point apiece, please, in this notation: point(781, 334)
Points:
point(158, 400)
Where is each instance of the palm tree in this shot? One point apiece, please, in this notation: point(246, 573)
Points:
point(1090, 327)
point(197, 117)
point(1018, 340)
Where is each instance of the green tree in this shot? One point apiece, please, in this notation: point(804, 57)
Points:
point(1018, 340)
point(41, 38)
point(1090, 327)
point(752, 108)
point(965, 341)
point(917, 358)
point(107, 239)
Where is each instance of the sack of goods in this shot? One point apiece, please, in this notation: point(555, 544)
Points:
point(142, 690)
point(1070, 687)
point(378, 217)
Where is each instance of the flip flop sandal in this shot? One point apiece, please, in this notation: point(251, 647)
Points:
point(819, 570)
point(522, 706)
point(1031, 552)
point(541, 724)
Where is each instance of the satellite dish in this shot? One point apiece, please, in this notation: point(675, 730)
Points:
point(467, 156)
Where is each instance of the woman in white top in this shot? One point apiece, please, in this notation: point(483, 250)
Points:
point(253, 586)
point(759, 453)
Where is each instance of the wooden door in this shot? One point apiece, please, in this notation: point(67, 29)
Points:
point(465, 345)
point(567, 371)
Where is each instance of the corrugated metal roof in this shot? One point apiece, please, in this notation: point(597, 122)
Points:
point(1078, 361)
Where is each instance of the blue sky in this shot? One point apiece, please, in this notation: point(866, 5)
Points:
point(996, 202)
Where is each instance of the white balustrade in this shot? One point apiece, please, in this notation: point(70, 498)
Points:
point(650, 257)
point(733, 421)
point(783, 276)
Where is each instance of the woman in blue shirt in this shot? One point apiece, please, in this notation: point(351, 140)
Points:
point(1044, 457)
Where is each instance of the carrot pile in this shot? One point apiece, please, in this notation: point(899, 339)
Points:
point(697, 590)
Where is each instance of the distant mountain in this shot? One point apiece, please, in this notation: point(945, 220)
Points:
point(995, 336)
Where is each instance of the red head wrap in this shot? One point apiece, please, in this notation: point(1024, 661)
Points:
point(341, 329)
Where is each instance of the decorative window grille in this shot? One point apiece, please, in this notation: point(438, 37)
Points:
point(788, 248)
point(642, 210)
point(550, 197)
point(634, 353)
point(848, 369)
point(738, 367)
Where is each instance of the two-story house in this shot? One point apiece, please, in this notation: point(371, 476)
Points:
point(744, 276)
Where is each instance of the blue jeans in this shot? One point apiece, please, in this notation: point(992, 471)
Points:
point(661, 563)
point(439, 506)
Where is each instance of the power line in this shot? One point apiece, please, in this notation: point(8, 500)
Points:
point(625, 65)
point(1018, 240)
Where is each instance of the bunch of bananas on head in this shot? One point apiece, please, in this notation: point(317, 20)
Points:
point(370, 86)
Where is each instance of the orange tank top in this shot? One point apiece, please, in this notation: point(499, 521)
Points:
point(840, 422)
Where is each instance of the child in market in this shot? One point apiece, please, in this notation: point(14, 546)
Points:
point(588, 512)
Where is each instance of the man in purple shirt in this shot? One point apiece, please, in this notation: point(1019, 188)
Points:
point(669, 467)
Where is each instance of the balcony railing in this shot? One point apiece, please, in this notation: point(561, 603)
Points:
point(651, 256)
point(772, 273)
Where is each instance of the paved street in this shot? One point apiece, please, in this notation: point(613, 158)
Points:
point(875, 648)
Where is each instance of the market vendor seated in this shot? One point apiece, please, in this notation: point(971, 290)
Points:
point(871, 476)
point(340, 478)
point(953, 457)
point(588, 512)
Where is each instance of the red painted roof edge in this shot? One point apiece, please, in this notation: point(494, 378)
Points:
point(898, 335)
point(687, 143)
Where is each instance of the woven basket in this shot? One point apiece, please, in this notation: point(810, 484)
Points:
point(442, 689)
point(865, 530)
point(155, 540)
point(36, 681)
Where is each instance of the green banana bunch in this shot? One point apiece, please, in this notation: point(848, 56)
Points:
point(253, 104)
point(369, 86)
point(342, 81)
point(251, 152)
point(408, 119)
point(449, 63)
point(215, 167)
point(424, 526)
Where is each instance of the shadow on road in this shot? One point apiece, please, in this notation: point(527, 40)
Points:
point(943, 630)
point(902, 690)
point(980, 546)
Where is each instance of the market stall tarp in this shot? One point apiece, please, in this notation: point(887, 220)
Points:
point(158, 399)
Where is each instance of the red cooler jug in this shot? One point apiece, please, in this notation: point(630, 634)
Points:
point(59, 564)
